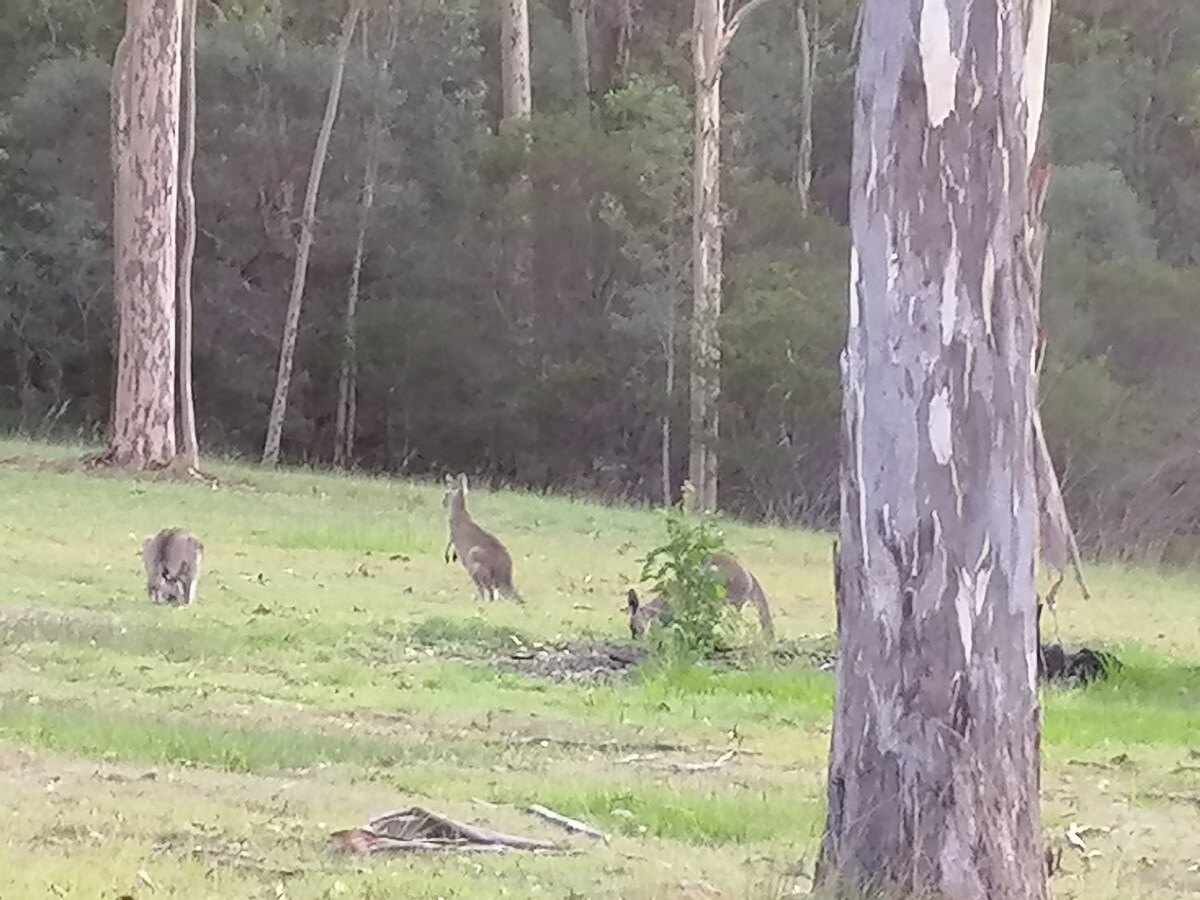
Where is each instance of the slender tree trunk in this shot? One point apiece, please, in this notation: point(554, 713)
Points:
point(705, 373)
point(187, 196)
point(1056, 537)
point(934, 757)
point(806, 42)
point(145, 123)
point(621, 43)
point(669, 352)
point(517, 107)
point(581, 13)
point(710, 45)
point(287, 345)
point(343, 447)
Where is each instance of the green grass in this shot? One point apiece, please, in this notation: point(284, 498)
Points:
point(335, 667)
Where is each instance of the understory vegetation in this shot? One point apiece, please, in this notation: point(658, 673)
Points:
point(568, 385)
point(335, 667)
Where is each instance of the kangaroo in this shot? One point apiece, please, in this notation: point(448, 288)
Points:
point(481, 553)
point(172, 559)
point(740, 586)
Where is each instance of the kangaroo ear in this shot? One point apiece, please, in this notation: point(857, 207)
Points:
point(632, 601)
point(449, 480)
point(462, 480)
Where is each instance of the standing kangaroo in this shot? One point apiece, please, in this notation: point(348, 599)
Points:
point(172, 559)
point(740, 586)
point(481, 553)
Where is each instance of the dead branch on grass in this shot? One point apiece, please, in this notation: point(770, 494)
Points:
point(569, 824)
point(419, 829)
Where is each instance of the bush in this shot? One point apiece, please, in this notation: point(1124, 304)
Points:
point(694, 591)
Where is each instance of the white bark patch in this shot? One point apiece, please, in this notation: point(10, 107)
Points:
point(938, 62)
point(983, 578)
point(941, 427)
point(855, 293)
point(950, 289)
point(988, 287)
point(962, 606)
point(1034, 82)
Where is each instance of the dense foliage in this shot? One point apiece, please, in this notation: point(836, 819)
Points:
point(567, 384)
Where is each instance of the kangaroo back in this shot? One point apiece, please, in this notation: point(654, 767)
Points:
point(172, 560)
point(481, 553)
point(741, 586)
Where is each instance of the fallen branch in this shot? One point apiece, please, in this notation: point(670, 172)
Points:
point(420, 829)
point(569, 824)
point(718, 763)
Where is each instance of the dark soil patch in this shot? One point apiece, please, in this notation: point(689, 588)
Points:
point(576, 660)
point(583, 660)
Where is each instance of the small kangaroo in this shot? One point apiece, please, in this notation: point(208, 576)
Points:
point(481, 553)
point(172, 559)
point(740, 586)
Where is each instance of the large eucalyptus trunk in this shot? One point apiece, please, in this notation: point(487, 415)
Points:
point(187, 196)
point(934, 758)
point(291, 326)
point(145, 153)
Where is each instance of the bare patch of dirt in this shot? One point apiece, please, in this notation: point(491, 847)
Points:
point(576, 660)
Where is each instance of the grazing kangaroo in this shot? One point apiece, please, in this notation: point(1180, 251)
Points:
point(740, 586)
point(172, 559)
point(481, 553)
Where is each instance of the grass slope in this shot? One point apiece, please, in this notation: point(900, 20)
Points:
point(333, 669)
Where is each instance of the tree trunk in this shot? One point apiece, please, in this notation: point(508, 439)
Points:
point(934, 758)
point(624, 33)
point(517, 106)
point(669, 353)
point(145, 121)
point(1056, 537)
point(187, 403)
point(581, 11)
point(806, 43)
point(343, 446)
point(710, 45)
point(705, 384)
point(287, 345)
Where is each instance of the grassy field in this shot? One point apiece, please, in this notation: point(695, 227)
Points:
point(335, 667)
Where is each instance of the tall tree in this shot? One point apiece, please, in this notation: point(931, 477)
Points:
point(710, 44)
point(807, 26)
point(145, 152)
point(187, 196)
point(347, 402)
point(581, 14)
point(516, 107)
point(934, 757)
point(291, 326)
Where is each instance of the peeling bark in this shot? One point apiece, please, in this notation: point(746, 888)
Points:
point(934, 757)
point(291, 327)
point(145, 133)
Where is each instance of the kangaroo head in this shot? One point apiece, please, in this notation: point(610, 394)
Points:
point(456, 492)
point(639, 616)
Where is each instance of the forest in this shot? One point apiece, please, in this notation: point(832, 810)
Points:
point(579, 383)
